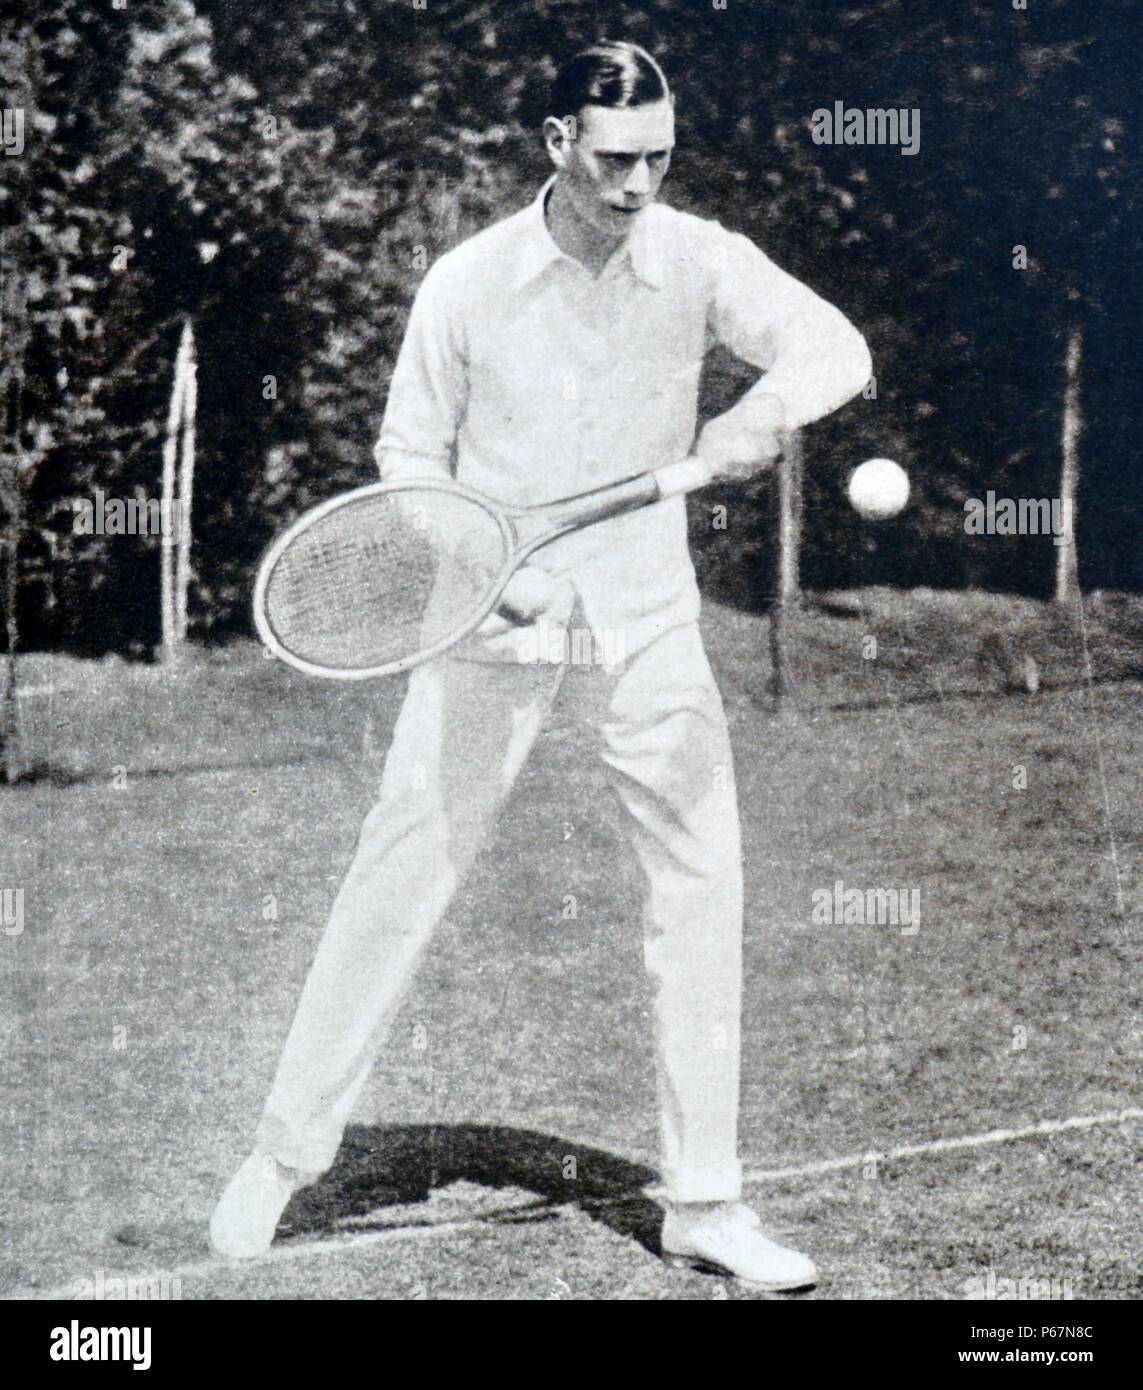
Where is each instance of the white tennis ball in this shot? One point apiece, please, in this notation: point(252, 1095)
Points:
point(878, 489)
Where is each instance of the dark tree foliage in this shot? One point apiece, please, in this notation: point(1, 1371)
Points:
point(283, 175)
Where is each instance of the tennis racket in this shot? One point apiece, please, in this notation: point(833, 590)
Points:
point(390, 575)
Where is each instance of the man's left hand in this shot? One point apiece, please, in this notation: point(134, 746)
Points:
point(745, 440)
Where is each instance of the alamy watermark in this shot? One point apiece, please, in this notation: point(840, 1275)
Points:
point(76, 1343)
point(577, 646)
point(101, 515)
point(851, 125)
point(1023, 516)
point(12, 130)
point(12, 911)
point(990, 1286)
point(151, 1288)
point(867, 907)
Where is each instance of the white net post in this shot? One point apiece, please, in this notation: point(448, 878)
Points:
point(787, 566)
point(172, 541)
point(1067, 559)
point(186, 488)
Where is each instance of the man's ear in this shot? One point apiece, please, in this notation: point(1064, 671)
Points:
point(558, 137)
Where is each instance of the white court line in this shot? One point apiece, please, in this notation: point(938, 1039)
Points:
point(301, 1249)
point(935, 1146)
point(292, 1250)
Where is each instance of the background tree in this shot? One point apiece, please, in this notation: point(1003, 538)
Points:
point(284, 179)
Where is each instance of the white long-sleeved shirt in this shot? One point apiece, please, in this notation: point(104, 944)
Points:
point(529, 379)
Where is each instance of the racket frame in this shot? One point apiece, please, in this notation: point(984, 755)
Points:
point(523, 529)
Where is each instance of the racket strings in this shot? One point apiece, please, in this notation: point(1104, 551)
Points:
point(382, 578)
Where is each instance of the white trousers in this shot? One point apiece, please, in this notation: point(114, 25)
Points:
point(461, 738)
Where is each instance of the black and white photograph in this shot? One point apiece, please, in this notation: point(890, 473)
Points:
point(571, 659)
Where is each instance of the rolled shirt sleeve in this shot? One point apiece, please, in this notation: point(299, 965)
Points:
point(813, 358)
point(427, 392)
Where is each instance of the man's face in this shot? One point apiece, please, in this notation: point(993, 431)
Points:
point(615, 164)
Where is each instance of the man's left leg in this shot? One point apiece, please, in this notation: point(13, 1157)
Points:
point(666, 743)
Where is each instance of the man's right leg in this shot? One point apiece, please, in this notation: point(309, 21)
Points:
point(462, 736)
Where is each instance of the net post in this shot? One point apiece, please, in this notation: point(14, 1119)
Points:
point(174, 441)
point(182, 505)
point(1067, 563)
point(787, 555)
point(11, 750)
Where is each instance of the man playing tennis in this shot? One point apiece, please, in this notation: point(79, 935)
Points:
point(556, 351)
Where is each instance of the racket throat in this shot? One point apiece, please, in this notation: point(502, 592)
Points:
point(538, 525)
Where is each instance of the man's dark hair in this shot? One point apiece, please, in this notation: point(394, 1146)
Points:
point(609, 73)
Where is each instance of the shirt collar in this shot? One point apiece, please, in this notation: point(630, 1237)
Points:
point(539, 250)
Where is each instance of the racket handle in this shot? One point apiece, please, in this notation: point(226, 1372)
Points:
point(686, 475)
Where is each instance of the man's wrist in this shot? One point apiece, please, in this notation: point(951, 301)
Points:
point(745, 438)
point(759, 412)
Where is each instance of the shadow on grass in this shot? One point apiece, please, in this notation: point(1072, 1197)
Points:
point(381, 1169)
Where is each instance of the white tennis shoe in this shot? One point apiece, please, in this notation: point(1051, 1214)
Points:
point(726, 1237)
point(250, 1208)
